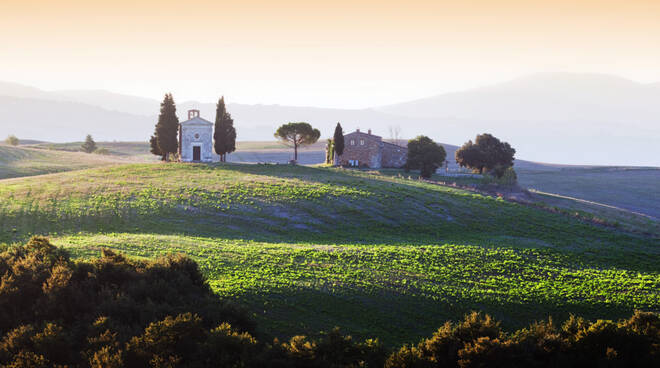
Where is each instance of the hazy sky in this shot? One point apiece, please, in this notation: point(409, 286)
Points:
point(337, 53)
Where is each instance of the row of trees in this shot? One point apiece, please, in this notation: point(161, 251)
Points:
point(165, 140)
point(113, 312)
point(486, 155)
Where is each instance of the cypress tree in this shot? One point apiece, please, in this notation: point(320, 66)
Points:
point(153, 142)
point(225, 133)
point(167, 128)
point(329, 151)
point(338, 140)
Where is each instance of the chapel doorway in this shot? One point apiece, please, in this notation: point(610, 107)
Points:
point(197, 153)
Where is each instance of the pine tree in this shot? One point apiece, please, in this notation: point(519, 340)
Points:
point(296, 135)
point(89, 146)
point(167, 128)
point(225, 133)
point(338, 140)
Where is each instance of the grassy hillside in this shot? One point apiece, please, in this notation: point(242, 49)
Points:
point(310, 248)
point(23, 161)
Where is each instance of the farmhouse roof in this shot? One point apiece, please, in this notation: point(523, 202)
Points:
point(363, 133)
point(394, 144)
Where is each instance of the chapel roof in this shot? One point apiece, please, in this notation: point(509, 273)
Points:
point(196, 121)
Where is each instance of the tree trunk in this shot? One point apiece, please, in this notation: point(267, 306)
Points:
point(295, 151)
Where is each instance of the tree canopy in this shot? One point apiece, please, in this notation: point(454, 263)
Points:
point(167, 128)
point(486, 154)
point(225, 133)
point(89, 146)
point(296, 135)
point(425, 155)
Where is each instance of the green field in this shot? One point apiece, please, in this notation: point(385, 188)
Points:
point(306, 249)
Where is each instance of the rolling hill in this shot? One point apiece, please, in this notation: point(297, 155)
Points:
point(306, 249)
point(24, 161)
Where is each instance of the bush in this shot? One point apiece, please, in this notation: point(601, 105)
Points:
point(508, 178)
point(102, 151)
point(12, 140)
point(477, 341)
point(50, 305)
point(117, 312)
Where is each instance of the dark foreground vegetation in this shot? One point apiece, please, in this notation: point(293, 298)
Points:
point(119, 312)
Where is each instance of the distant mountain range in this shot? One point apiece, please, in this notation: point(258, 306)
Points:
point(550, 117)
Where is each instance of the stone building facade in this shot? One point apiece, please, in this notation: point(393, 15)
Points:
point(196, 139)
point(368, 150)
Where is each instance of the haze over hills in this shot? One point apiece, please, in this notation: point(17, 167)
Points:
point(550, 117)
point(545, 96)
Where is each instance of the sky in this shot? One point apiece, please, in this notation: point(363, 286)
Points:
point(346, 54)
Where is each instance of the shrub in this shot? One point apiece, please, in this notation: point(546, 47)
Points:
point(50, 306)
point(477, 341)
point(118, 312)
point(12, 140)
point(102, 151)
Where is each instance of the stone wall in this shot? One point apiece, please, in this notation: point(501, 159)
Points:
point(370, 151)
point(197, 135)
point(363, 148)
point(393, 155)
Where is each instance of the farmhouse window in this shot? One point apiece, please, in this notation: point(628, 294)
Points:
point(361, 142)
point(352, 142)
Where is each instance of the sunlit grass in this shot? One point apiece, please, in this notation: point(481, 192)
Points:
point(310, 248)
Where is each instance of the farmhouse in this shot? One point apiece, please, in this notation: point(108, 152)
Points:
point(196, 139)
point(368, 150)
